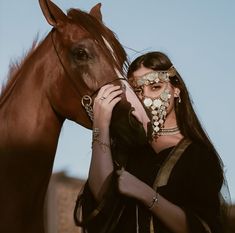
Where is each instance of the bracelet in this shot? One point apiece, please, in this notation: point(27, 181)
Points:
point(95, 133)
point(95, 138)
point(154, 201)
point(100, 142)
point(103, 145)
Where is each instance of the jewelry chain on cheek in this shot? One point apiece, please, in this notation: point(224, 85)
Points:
point(158, 107)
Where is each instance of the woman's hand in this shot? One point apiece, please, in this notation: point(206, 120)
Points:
point(106, 99)
point(131, 186)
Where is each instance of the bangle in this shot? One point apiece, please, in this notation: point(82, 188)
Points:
point(154, 201)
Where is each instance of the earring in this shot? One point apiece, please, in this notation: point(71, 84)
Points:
point(179, 99)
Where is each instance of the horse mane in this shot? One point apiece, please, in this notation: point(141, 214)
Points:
point(100, 32)
point(15, 66)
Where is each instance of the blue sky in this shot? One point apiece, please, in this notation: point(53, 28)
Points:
point(198, 36)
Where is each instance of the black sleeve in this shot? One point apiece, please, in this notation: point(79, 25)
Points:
point(202, 207)
point(96, 216)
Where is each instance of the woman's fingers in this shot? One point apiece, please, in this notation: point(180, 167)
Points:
point(106, 90)
point(114, 102)
point(112, 96)
point(111, 99)
point(110, 90)
point(102, 89)
point(106, 99)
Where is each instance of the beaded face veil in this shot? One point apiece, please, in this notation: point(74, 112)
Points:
point(157, 106)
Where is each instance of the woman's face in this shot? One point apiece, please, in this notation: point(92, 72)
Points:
point(157, 94)
point(154, 90)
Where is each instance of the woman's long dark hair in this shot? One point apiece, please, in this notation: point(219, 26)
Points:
point(186, 117)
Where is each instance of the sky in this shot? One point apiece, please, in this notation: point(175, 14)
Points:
point(198, 36)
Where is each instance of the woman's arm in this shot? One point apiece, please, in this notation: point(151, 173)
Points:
point(170, 214)
point(101, 166)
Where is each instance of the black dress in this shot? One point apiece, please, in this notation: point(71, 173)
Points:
point(194, 185)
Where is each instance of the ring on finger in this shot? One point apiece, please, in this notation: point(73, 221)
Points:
point(102, 98)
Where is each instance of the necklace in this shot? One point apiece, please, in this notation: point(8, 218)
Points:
point(168, 131)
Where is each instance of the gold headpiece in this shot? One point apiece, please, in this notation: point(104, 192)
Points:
point(153, 77)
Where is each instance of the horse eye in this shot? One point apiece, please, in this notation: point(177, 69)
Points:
point(80, 54)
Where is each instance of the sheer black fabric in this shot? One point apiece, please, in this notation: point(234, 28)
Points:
point(194, 185)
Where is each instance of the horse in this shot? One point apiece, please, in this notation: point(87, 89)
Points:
point(57, 80)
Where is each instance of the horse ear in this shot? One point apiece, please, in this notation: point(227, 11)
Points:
point(95, 11)
point(53, 14)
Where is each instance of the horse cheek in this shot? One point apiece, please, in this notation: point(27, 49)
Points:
point(62, 98)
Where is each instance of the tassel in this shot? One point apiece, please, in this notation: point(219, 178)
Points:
point(137, 218)
point(151, 225)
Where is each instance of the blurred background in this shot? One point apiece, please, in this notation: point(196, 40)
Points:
point(198, 36)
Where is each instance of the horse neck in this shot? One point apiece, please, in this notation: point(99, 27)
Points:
point(25, 105)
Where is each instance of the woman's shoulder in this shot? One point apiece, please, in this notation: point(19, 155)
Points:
point(203, 157)
point(205, 164)
point(200, 151)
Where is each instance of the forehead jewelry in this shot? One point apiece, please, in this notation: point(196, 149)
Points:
point(153, 77)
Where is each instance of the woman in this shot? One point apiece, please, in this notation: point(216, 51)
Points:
point(174, 185)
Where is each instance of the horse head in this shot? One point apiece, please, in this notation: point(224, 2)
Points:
point(88, 56)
